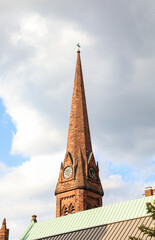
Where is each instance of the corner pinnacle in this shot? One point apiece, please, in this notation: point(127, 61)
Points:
point(4, 223)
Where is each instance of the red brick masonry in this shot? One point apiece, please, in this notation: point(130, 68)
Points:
point(4, 232)
point(82, 189)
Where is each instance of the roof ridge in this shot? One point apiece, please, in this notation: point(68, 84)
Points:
point(131, 209)
point(94, 209)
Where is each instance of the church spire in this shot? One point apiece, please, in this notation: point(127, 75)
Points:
point(79, 134)
point(78, 187)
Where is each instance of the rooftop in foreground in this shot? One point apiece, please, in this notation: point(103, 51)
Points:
point(113, 213)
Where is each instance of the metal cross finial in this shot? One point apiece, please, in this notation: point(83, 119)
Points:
point(78, 45)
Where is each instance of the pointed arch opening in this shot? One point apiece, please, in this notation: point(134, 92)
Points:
point(64, 211)
point(71, 208)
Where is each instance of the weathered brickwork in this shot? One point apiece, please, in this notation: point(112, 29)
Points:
point(149, 191)
point(78, 187)
point(4, 232)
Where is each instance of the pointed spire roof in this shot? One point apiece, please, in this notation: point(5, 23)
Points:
point(4, 232)
point(79, 155)
point(79, 134)
point(4, 223)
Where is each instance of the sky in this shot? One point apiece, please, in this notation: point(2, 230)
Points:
point(37, 65)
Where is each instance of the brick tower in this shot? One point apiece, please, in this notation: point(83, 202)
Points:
point(78, 187)
point(4, 232)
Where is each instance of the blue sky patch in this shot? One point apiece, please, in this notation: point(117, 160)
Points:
point(7, 129)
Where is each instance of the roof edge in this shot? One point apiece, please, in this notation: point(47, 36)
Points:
point(27, 230)
point(81, 229)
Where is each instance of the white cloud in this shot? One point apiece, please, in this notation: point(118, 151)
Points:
point(36, 75)
point(117, 190)
point(27, 180)
point(3, 169)
point(32, 101)
point(51, 39)
point(29, 189)
point(36, 133)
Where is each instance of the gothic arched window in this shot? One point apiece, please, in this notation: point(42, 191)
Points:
point(73, 209)
point(65, 211)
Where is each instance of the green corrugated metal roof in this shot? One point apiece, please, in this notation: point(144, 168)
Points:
point(89, 218)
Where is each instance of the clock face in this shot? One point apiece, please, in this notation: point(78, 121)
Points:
point(68, 172)
point(92, 173)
